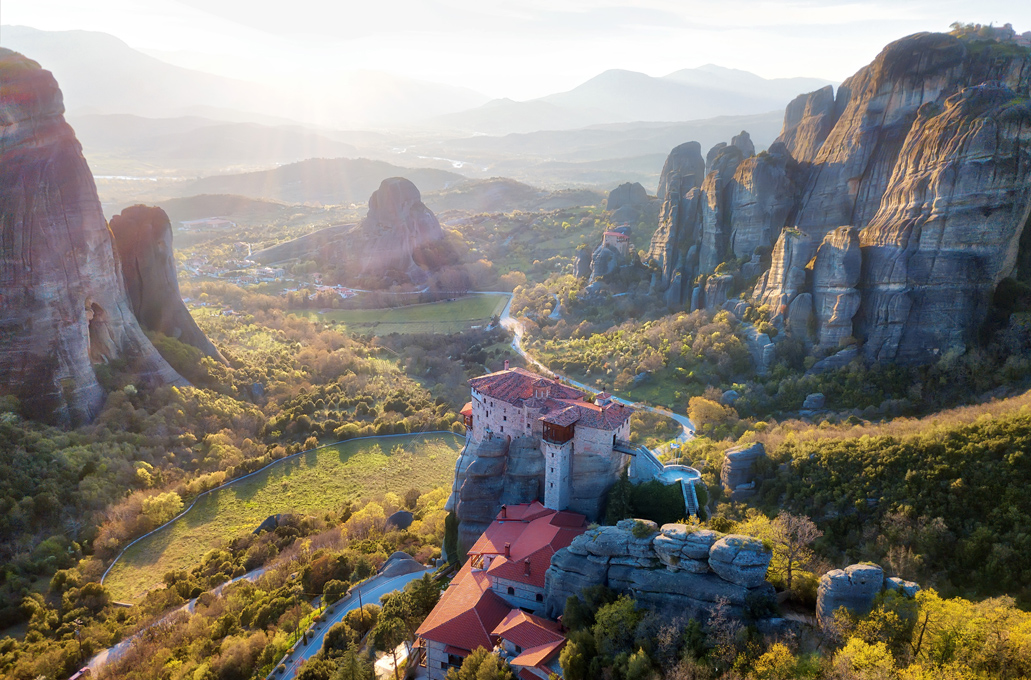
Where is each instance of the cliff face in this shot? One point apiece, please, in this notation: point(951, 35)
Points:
point(879, 106)
point(894, 209)
point(63, 305)
point(948, 228)
point(143, 237)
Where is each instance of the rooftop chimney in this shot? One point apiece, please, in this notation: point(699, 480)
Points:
point(504, 511)
point(506, 364)
point(508, 550)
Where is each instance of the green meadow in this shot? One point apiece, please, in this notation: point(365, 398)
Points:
point(312, 482)
point(451, 316)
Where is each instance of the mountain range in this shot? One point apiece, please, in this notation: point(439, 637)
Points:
point(104, 75)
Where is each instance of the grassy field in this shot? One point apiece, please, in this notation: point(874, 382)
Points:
point(312, 482)
point(452, 316)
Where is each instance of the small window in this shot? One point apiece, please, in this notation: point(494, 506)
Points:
point(518, 649)
point(551, 485)
point(502, 428)
point(552, 470)
point(540, 597)
point(511, 590)
point(505, 418)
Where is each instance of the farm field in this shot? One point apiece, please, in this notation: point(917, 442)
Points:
point(451, 316)
point(314, 481)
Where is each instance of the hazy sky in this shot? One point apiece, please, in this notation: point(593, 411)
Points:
point(519, 49)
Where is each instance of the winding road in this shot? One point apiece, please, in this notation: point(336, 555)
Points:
point(511, 323)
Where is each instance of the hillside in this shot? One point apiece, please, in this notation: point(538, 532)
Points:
point(319, 180)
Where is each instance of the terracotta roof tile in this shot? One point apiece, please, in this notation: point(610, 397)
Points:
point(536, 656)
point(516, 384)
point(527, 630)
point(467, 612)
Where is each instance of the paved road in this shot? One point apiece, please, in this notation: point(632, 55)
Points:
point(112, 654)
point(511, 323)
point(371, 591)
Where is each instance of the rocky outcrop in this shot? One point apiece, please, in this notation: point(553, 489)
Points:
point(676, 570)
point(853, 587)
point(628, 194)
point(765, 196)
point(605, 261)
point(400, 241)
point(686, 162)
point(787, 275)
point(738, 472)
point(836, 270)
point(582, 263)
point(893, 209)
point(879, 106)
point(63, 304)
point(143, 238)
point(494, 472)
point(744, 144)
point(808, 120)
point(949, 225)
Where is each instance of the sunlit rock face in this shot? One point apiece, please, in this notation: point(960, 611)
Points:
point(63, 305)
point(143, 238)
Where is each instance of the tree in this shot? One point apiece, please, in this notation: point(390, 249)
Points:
point(864, 661)
point(482, 665)
point(316, 669)
point(793, 537)
point(389, 632)
point(777, 663)
point(354, 666)
point(163, 507)
point(614, 626)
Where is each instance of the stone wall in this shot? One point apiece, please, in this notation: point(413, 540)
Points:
point(676, 570)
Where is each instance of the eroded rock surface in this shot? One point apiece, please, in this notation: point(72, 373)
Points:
point(739, 465)
point(63, 304)
point(143, 239)
point(670, 570)
point(853, 587)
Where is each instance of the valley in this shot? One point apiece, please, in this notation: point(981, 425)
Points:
point(706, 375)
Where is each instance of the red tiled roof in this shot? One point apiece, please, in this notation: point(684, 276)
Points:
point(616, 233)
point(528, 675)
point(527, 630)
point(608, 417)
point(532, 532)
point(536, 656)
point(467, 612)
point(467, 410)
point(516, 384)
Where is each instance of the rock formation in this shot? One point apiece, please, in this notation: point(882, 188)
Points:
point(63, 304)
point(893, 209)
point(143, 239)
point(582, 263)
point(853, 587)
point(400, 240)
point(738, 472)
point(808, 120)
point(676, 571)
point(495, 472)
point(628, 194)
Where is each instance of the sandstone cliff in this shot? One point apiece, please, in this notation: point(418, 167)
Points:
point(893, 209)
point(143, 237)
point(63, 304)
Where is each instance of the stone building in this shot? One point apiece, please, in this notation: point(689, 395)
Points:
point(617, 240)
point(579, 439)
point(494, 599)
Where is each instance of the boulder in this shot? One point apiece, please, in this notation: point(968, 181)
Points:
point(699, 543)
point(907, 588)
point(739, 465)
point(835, 361)
point(742, 560)
point(729, 397)
point(853, 587)
point(814, 402)
point(402, 519)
